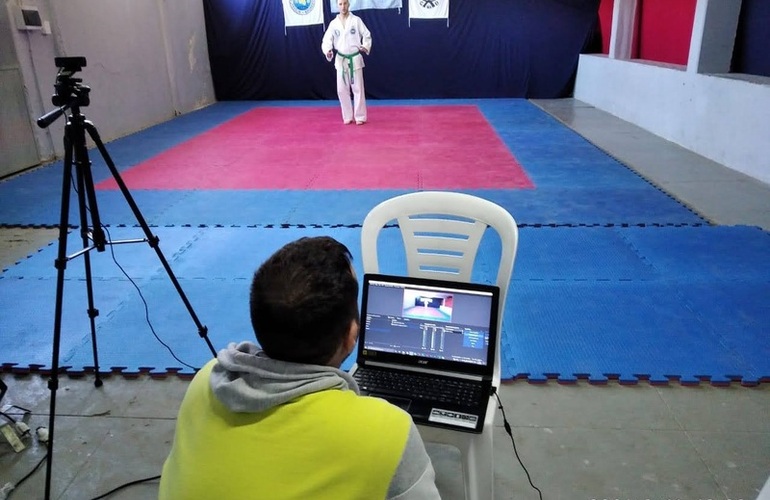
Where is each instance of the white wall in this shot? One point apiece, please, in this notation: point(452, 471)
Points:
point(34, 54)
point(17, 139)
point(724, 119)
point(147, 62)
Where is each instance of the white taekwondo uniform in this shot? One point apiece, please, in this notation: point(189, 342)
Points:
point(347, 39)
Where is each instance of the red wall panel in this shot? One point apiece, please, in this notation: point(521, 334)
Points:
point(605, 21)
point(665, 28)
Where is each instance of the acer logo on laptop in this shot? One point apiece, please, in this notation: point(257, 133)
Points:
point(422, 362)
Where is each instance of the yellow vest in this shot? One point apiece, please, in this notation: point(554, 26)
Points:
point(331, 444)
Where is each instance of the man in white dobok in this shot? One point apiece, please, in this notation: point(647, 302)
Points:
point(350, 38)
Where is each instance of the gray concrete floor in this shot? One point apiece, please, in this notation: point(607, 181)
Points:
point(578, 441)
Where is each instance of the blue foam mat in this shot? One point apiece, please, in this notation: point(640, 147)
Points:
point(137, 259)
point(718, 253)
point(666, 298)
point(632, 303)
point(594, 206)
point(628, 330)
point(575, 182)
point(220, 305)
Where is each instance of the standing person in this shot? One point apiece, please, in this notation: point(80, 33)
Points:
point(282, 421)
point(349, 37)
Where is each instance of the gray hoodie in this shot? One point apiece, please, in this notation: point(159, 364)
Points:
point(245, 380)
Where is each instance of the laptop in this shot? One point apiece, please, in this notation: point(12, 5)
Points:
point(428, 346)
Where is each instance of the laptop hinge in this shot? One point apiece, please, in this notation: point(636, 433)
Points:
point(417, 369)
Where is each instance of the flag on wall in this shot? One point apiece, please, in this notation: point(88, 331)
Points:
point(429, 9)
point(302, 12)
point(368, 4)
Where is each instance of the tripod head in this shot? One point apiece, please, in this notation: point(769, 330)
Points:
point(70, 92)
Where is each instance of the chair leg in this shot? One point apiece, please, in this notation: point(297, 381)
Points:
point(478, 468)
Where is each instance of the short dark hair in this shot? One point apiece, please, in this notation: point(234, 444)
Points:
point(303, 300)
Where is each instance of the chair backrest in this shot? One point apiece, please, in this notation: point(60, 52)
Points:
point(441, 233)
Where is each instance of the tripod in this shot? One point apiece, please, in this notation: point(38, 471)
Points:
point(70, 94)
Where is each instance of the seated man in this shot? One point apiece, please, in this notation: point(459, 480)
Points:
point(283, 421)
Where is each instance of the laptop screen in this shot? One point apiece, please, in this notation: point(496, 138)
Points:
point(431, 321)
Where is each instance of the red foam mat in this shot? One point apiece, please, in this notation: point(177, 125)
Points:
point(401, 147)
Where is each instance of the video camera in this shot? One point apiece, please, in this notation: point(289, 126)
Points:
point(69, 91)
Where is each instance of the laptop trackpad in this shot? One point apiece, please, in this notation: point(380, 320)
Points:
point(402, 403)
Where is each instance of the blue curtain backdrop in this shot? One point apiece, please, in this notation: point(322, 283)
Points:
point(492, 48)
point(751, 54)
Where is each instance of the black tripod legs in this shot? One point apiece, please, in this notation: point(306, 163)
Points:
point(93, 238)
point(151, 238)
point(61, 265)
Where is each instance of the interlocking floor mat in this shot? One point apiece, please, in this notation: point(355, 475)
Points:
point(614, 278)
point(265, 163)
point(661, 304)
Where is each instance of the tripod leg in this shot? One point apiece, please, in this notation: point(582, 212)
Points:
point(61, 265)
point(86, 190)
point(151, 238)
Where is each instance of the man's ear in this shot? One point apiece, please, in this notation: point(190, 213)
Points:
point(352, 336)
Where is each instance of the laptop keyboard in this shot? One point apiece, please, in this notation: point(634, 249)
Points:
point(419, 386)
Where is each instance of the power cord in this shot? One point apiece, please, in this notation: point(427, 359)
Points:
point(23, 410)
point(42, 436)
point(515, 451)
point(132, 483)
point(8, 488)
point(23, 430)
point(146, 307)
point(141, 296)
point(10, 419)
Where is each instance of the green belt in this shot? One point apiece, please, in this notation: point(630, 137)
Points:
point(351, 67)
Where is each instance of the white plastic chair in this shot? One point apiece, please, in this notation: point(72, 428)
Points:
point(764, 493)
point(441, 233)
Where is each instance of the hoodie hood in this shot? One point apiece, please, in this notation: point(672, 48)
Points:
point(245, 380)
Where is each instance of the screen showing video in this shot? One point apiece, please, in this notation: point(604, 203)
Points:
point(429, 322)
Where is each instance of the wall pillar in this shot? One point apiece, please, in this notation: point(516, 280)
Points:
point(713, 36)
point(623, 22)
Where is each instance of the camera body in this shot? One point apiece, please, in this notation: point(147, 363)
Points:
point(69, 90)
point(70, 64)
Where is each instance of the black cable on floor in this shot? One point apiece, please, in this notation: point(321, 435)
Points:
point(10, 419)
point(21, 481)
point(132, 483)
point(515, 451)
point(146, 307)
point(141, 296)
